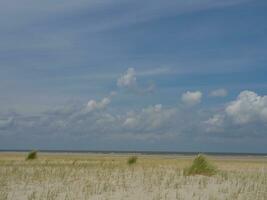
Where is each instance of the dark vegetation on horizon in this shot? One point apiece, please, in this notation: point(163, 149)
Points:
point(32, 155)
point(132, 160)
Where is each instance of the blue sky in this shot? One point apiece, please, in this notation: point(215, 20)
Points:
point(133, 75)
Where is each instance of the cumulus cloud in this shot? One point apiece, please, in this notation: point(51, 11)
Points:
point(149, 118)
point(191, 98)
point(94, 105)
point(216, 120)
point(219, 93)
point(247, 115)
point(128, 80)
point(248, 107)
point(215, 123)
point(147, 123)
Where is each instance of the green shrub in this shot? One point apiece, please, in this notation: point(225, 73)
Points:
point(132, 160)
point(31, 155)
point(200, 166)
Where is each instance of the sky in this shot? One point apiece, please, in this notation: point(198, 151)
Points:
point(150, 75)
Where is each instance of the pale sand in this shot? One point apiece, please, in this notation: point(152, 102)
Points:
point(101, 176)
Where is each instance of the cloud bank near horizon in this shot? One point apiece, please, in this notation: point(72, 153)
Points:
point(246, 116)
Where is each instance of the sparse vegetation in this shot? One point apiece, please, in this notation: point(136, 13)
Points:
point(132, 160)
point(200, 166)
point(32, 155)
point(55, 177)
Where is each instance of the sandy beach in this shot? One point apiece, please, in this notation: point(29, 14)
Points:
point(93, 176)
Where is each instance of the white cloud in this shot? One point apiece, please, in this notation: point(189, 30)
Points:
point(215, 123)
point(191, 98)
point(245, 115)
point(127, 80)
point(216, 120)
point(219, 93)
point(150, 118)
point(131, 122)
point(248, 107)
point(94, 105)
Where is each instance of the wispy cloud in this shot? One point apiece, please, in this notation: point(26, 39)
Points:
point(124, 13)
point(219, 93)
point(129, 82)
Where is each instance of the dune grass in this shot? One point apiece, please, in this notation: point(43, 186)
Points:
point(103, 177)
point(32, 155)
point(132, 160)
point(201, 166)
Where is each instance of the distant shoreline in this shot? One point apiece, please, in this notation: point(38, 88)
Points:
point(136, 152)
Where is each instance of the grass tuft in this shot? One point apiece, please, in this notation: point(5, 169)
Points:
point(32, 155)
point(200, 166)
point(132, 160)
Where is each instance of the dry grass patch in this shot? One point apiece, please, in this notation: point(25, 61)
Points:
point(103, 177)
